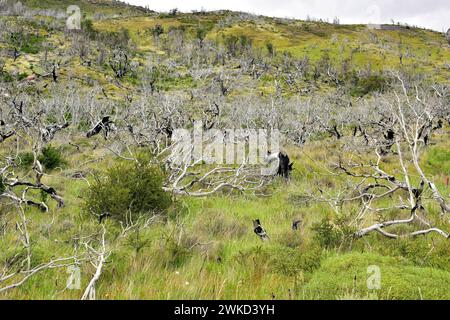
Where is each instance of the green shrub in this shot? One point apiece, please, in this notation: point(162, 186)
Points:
point(26, 159)
point(6, 77)
point(437, 160)
point(200, 33)
point(51, 158)
point(27, 42)
point(366, 85)
point(270, 48)
point(134, 187)
point(349, 274)
point(330, 234)
point(174, 254)
point(43, 196)
point(22, 76)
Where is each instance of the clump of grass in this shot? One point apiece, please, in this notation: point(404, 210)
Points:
point(282, 260)
point(438, 159)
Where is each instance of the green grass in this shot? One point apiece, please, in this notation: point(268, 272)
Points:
point(438, 158)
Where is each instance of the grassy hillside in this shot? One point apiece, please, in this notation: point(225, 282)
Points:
point(88, 7)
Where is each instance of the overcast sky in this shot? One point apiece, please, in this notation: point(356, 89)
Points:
point(432, 14)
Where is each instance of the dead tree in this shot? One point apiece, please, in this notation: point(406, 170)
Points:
point(185, 180)
point(54, 74)
point(19, 276)
point(28, 122)
point(48, 132)
point(6, 135)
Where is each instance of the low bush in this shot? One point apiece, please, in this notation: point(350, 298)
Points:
point(88, 28)
point(26, 42)
point(134, 187)
point(366, 85)
point(290, 239)
point(330, 234)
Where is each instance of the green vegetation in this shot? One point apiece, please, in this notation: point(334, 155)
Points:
point(345, 276)
point(88, 28)
point(439, 159)
point(27, 43)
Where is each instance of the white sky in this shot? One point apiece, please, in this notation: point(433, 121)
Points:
point(432, 14)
